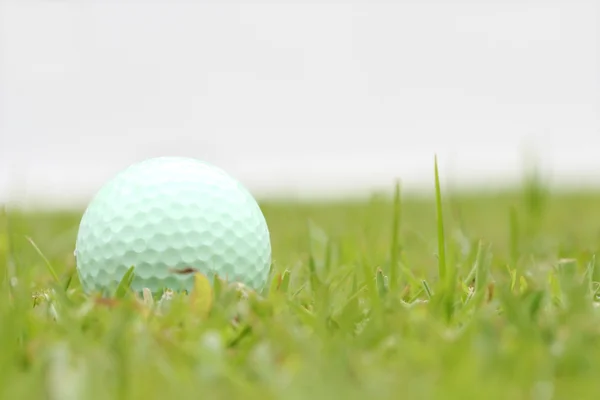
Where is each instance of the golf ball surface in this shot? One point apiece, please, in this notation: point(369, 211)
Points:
point(172, 213)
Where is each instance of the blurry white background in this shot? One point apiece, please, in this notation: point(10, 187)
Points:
point(297, 98)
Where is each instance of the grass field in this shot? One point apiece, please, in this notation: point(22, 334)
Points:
point(369, 299)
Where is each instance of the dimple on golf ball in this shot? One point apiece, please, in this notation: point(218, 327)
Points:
point(172, 213)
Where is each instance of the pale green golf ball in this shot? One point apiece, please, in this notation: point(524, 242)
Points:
point(171, 213)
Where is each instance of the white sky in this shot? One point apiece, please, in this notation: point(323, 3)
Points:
point(291, 97)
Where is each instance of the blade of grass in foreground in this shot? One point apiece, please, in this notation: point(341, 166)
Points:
point(125, 283)
point(481, 279)
point(3, 245)
point(370, 284)
point(589, 274)
point(46, 261)
point(440, 226)
point(201, 299)
point(446, 276)
point(394, 267)
point(514, 237)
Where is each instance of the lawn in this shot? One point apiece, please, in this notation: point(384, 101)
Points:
point(477, 296)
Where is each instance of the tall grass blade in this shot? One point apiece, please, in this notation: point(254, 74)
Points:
point(394, 267)
point(440, 226)
point(514, 237)
point(125, 283)
point(46, 261)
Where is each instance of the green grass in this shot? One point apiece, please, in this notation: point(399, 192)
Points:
point(466, 296)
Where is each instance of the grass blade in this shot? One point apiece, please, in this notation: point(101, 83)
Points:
point(46, 261)
point(428, 290)
point(589, 273)
point(440, 226)
point(4, 247)
point(125, 283)
point(202, 297)
point(394, 267)
point(514, 237)
point(382, 286)
point(370, 284)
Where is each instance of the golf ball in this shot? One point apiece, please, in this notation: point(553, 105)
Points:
point(172, 213)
